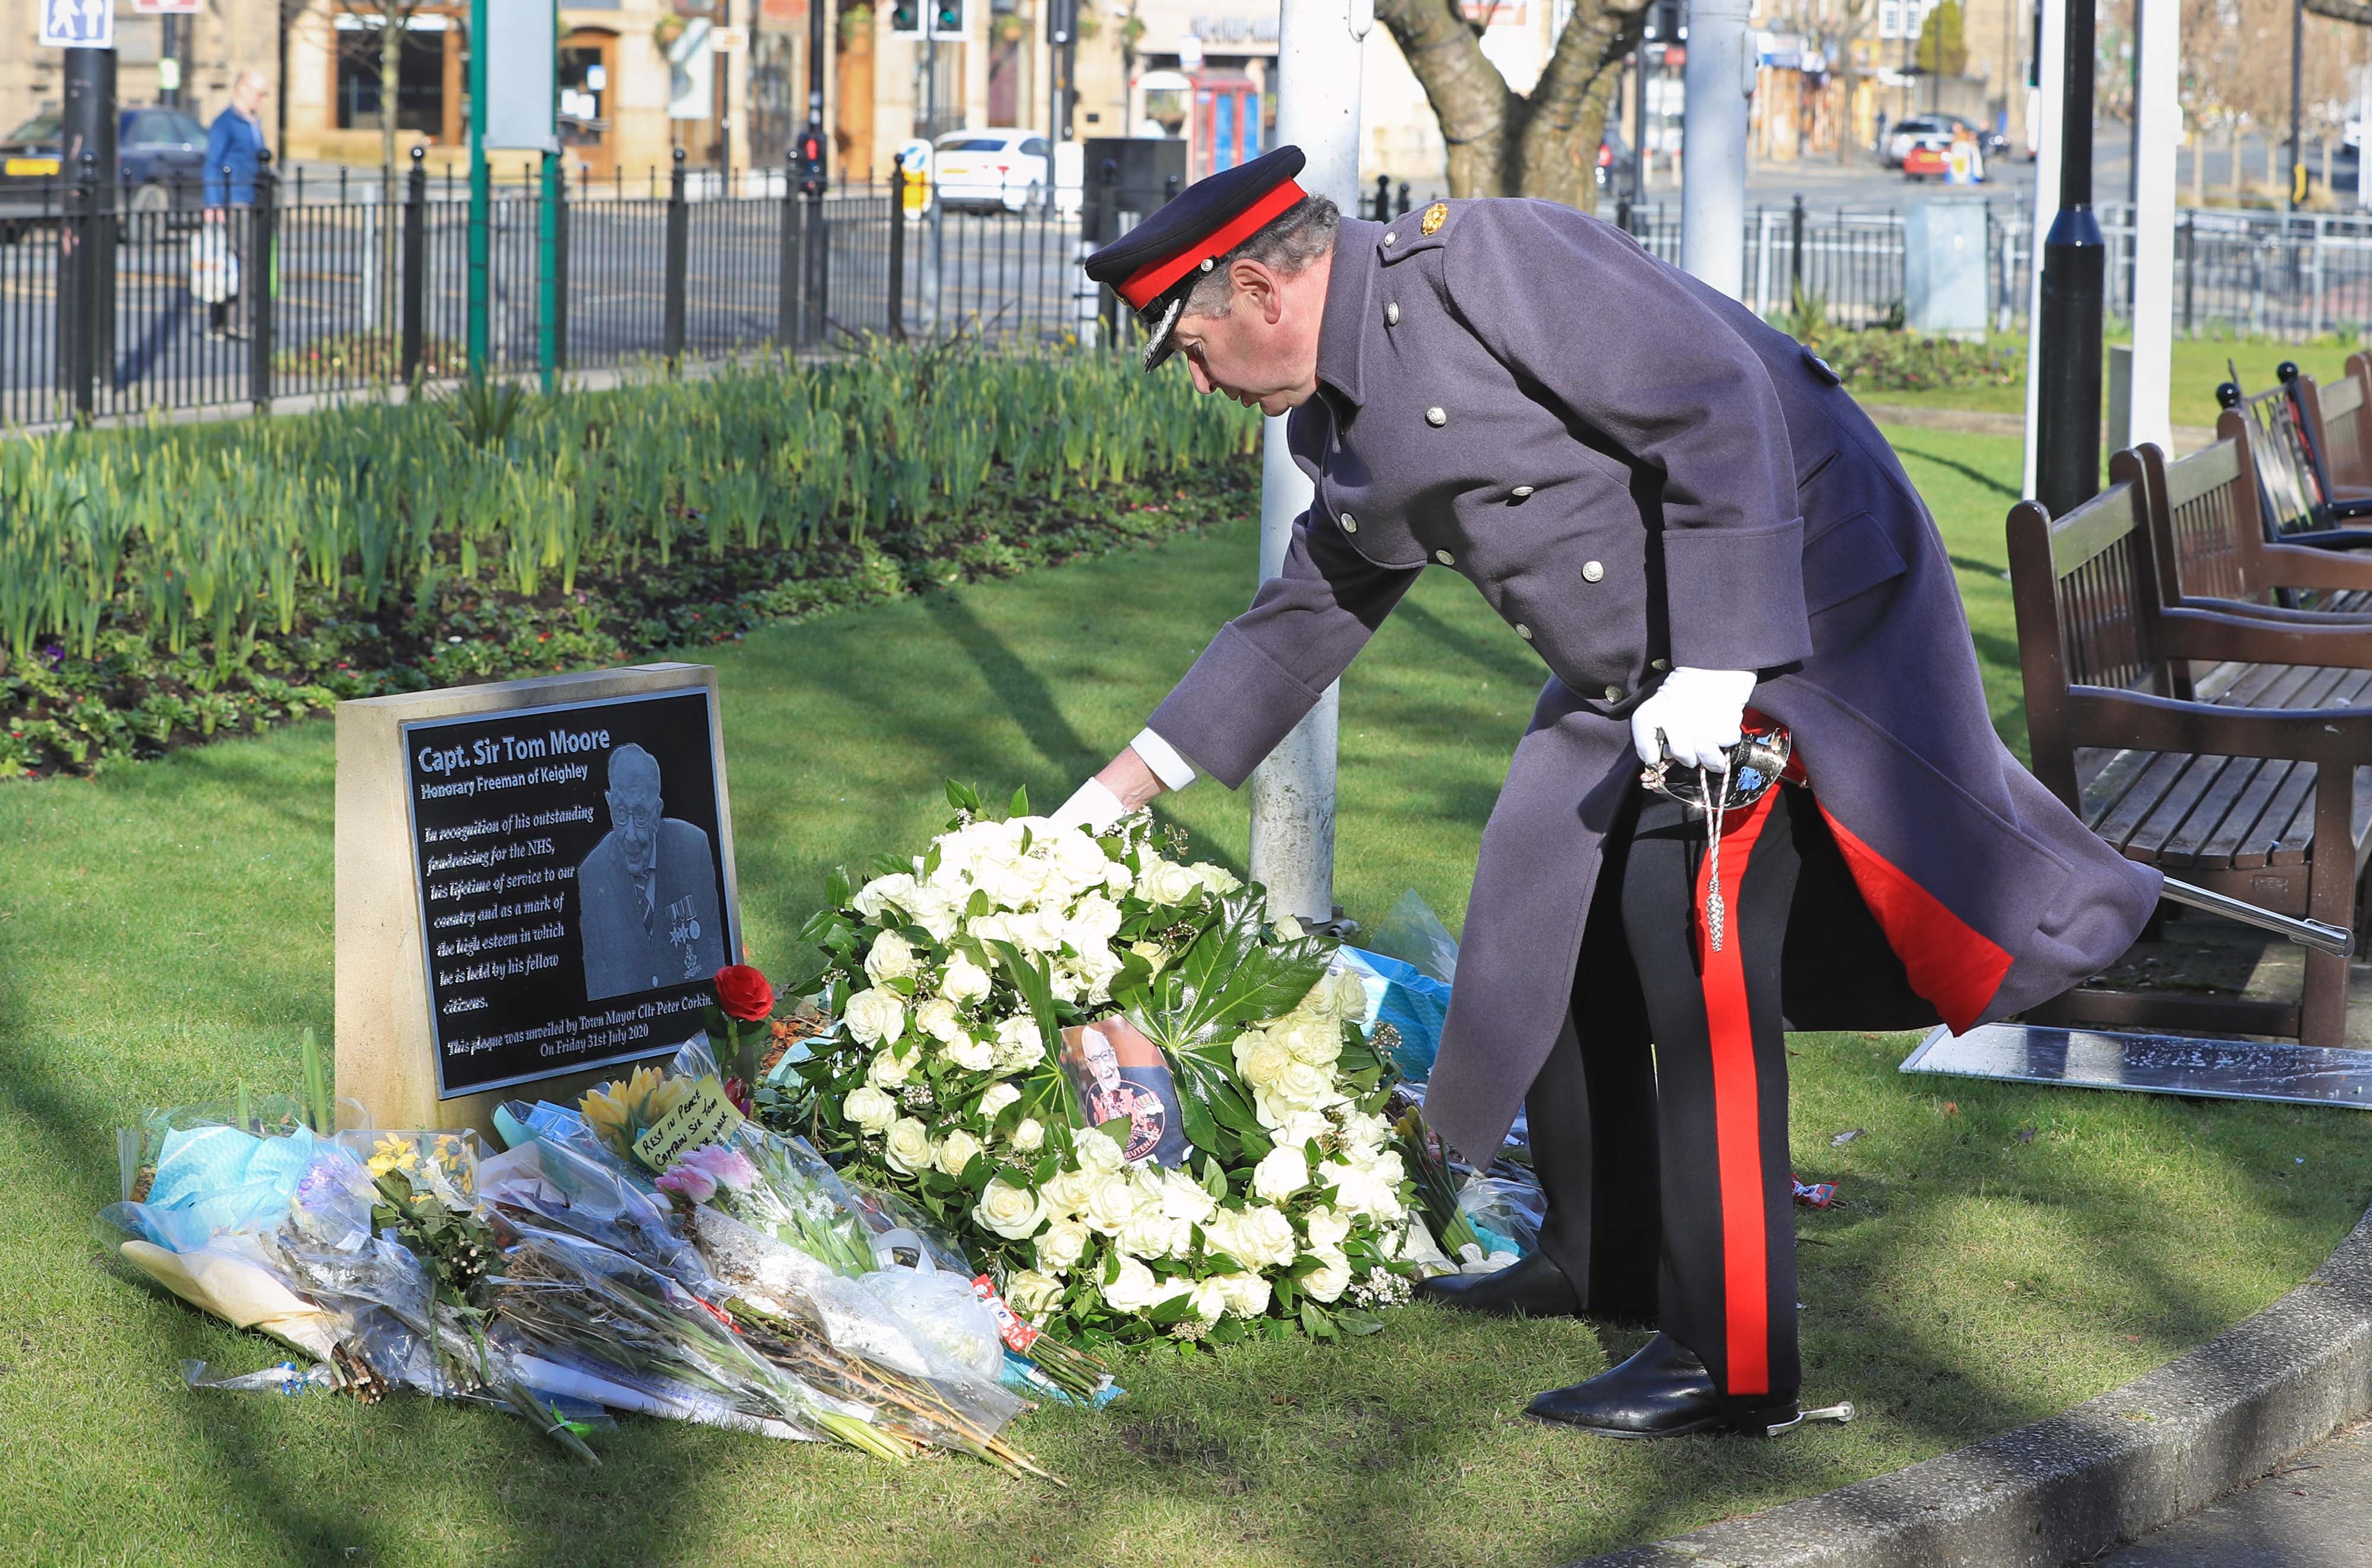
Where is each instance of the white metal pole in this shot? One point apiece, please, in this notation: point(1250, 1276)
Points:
point(1717, 80)
point(2363, 133)
point(1318, 70)
point(2157, 125)
point(2050, 54)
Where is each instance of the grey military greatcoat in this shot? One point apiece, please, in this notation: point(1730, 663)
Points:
point(1637, 473)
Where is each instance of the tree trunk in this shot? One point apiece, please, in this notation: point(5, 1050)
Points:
point(1503, 143)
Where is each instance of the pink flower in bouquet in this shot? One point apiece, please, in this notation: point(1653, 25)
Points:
point(725, 1167)
point(689, 1182)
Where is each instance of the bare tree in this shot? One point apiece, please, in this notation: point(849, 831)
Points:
point(1853, 19)
point(384, 26)
point(1503, 143)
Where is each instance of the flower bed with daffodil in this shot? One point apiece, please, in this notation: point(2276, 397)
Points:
point(954, 978)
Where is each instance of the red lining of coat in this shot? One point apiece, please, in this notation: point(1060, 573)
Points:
point(1949, 961)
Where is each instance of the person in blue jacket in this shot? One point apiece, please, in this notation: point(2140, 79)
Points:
point(235, 152)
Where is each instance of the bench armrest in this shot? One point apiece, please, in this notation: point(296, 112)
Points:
point(2350, 508)
point(2292, 566)
point(2141, 722)
point(2279, 614)
point(2206, 635)
point(2332, 539)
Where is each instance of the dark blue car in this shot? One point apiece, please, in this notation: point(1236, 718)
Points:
point(160, 154)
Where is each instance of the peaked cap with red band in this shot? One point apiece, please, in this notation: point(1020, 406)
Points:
point(1157, 264)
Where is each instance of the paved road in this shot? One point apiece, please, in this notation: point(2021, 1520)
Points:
point(2315, 1512)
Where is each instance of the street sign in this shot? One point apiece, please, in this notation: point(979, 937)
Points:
point(522, 45)
point(168, 7)
point(77, 24)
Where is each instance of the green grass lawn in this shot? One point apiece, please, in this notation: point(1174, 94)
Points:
point(165, 932)
point(2200, 364)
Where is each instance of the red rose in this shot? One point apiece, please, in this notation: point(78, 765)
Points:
point(744, 993)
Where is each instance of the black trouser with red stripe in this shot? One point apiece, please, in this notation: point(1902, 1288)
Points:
point(1667, 1171)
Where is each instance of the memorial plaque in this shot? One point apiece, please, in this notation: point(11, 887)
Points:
point(535, 882)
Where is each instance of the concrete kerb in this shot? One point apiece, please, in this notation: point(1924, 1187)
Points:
point(2112, 1470)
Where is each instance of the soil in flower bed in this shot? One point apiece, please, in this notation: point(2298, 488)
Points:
point(63, 713)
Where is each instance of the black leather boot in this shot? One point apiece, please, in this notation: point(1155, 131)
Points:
point(1662, 1391)
point(1533, 1288)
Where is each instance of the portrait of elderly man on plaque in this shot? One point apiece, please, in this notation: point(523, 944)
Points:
point(650, 911)
point(1120, 1075)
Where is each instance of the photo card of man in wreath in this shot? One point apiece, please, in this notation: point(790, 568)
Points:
point(1120, 1075)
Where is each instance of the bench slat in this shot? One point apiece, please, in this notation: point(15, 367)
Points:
point(2210, 468)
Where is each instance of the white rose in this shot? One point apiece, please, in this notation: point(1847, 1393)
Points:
point(1183, 1198)
point(1081, 859)
point(971, 1055)
point(956, 1151)
point(1131, 1289)
point(936, 912)
point(1210, 1299)
point(1117, 878)
point(1167, 882)
point(1111, 1204)
point(1095, 918)
point(892, 958)
point(1284, 1171)
point(995, 1098)
point(1029, 1135)
point(1037, 931)
point(1031, 1293)
point(989, 928)
point(1063, 1245)
point(876, 1018)
point(1264, 1064)
point(889, 1068)
point(869, 1108)
point(1145, 1233)
point(1350, 995)
point(1265, 1238)
point(963, 981)
point(1287, 929)
point(1325, 1228)
point(1331, 1276)
point(1303, 1127)
point(1097, 1152)
point(907, 1147)
point(1020, 1044)
point(1068, 1192)
point(1014, 1212)
point(1246, 1294)
point(937, 1018)
point(894, 890)
point(1364, 1134)
point(1316, 1045)
point(1152, 953)
point(1216, 878)
point(1299, 1083)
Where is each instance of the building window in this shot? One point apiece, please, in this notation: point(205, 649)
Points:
point(420, 74)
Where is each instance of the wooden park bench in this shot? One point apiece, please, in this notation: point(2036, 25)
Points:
point(2297, 429)
point(2223, 749)
point(2215, 548)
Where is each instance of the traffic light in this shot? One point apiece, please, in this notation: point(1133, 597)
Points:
point(1664, 22)
point(906, 18)
point(810, 161)
point(947, 19)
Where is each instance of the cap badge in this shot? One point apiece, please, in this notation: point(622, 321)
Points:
point(1435, 216)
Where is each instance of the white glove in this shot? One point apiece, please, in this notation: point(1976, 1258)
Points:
point(1091, 807)
point(1697, 714)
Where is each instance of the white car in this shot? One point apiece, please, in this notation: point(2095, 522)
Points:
point(996, 166)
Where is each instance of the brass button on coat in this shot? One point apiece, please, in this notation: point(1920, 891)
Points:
point(1521, 492)
point(1392, 313)
point(1592, 571)
point(1659, 664)
point(1391, 238)
point(1350, 524)
point(1615, 693)
point(1436, 416)
point(1445, 558)
point(1523, 630)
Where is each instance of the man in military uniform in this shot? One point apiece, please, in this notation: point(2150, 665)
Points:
point(1680, 512)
